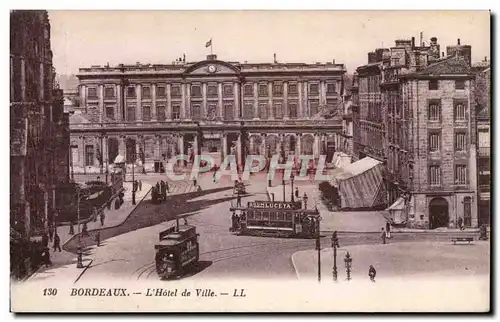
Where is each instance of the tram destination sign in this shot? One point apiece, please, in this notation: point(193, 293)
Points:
point(275, 205)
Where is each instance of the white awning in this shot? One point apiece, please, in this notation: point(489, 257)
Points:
point(119, 159)
point(398, 205)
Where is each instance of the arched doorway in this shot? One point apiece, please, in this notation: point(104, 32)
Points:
point(130, 150)
point(438, 213)
point(307, 144)
point(272, 144)
point(112, 149)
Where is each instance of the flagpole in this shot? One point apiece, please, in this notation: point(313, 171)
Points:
point(211, 51)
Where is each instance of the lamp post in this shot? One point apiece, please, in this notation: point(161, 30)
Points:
point(335, 244)
point(107, 170)
point(79, 261)
point(348, 265)
point(318, 246)
point(133, 184)
point(305, 198)
point(292, 177)
point(283, 184)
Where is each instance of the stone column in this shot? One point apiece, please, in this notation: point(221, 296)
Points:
point(270, 100)
point(285, 103)
point(221, 107)
point(300, 103)
point(305, 104)
point(157, 154)
point(138, 143)
point(195, 145)
point(238, 150)
point(298, 146)
point(236, 105)
point(138, 106)
point(81, 151)
point(83, 96)
point(224, 145)
point(256, 101)
point(100, 95)
point(122, 146)
point(168, 105)
point(252, 149)
point(184, 102)
point(204, 101)
point(181, 144)
point(105, 158)
point(118, 108)
point(316, 146)
point(322, 94)
point(188, 112)
point(153, 103)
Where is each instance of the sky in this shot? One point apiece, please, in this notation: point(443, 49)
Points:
point(83, 38)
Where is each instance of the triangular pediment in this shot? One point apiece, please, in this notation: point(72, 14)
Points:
point(212, 68)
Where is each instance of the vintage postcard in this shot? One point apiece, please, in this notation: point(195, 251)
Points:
point(250, 161)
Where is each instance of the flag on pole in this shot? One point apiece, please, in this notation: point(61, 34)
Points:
point(209, 43)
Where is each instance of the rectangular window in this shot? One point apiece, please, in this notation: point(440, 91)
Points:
point(228, 112)
point(109, 92)
point(89, 155)
point(459, 112)
point(278, 89)
point(434, 111)
point(146, 92)
point(175, 91)
point(160, 113)
point(131, 113)
point(434, 142)
point(161, 91)
point(460, 174)
point(313, 107)
point(146, 113)
point(110, 112)
point(196, 110)
point(176, 112)
point(292, 88)
point(248, 111)
point(196, 90)
point(131, 91)
point(331, 88)
point(248, 90)
point(228, 90)
point(314, 89)
point(434, 175)
point(92, 93)
point(212, 91)
point(263, 113)
point(278, 110)
point(460, 141)
point(292, 108)
point(459, 84)
point(433, 84)
point(262, 89)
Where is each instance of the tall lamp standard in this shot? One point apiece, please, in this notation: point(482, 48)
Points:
point(348, 265)
point(335, 244)
point(79, 262)
point(292, 177)
point(318, 246)
point(305, 198)
point(133, 183)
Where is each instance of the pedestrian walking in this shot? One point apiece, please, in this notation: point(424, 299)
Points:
point(383, 236)
point(388, 230)
point(94, 214)
point(238, 200)
point(57, 242)
point(460, 223)
point(85, 230)
point(195, 182)
point(233, 221)
point(372, 273)
point(71, 229)
point(296, 192)
point(167, 187)
point(51, 232)
point(140, 185)
point(46, 257)
point(98, 239)
point(102, 218)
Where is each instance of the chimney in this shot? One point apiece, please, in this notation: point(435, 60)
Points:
point(184, 58)
point(333, 61)
point(434, 41)
point(458, 41)
point(412, 42)
point(275, 61)
point(485, 58)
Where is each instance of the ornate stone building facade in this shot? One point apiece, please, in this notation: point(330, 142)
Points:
point(148, 113)
point(389, 95)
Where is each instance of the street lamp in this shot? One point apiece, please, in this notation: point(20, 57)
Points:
point(133, 183)
point(348, 265)
point(305, 198)
point(335, 244)
point(79, 262)
point(318, 245)
point(292, 177)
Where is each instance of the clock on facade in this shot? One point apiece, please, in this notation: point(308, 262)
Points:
point(212, 68)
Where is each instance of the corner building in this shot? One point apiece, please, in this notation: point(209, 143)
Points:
point(148, 113)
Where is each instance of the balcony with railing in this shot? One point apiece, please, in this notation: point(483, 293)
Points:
point(484, 151)
point(390, 76)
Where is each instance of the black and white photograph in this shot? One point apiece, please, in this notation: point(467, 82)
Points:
point(250, 161)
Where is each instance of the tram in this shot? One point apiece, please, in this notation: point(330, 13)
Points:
point(275, 218)
point(177, 250)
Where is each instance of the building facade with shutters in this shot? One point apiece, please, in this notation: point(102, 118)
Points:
point(149, 113)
